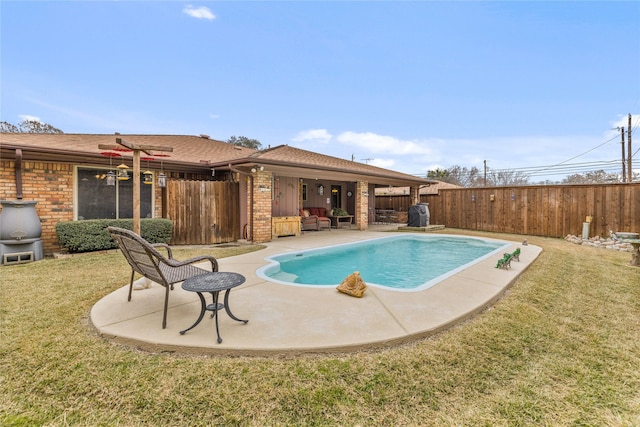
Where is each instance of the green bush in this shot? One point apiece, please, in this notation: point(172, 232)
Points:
point(92, 235)
point(339, 212)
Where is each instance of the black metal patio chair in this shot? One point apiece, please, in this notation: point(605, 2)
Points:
point(144, 259)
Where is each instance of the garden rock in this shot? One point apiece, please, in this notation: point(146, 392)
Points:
point(600, 242)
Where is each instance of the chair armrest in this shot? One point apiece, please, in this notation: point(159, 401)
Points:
point(166, 247)
point(175, 263)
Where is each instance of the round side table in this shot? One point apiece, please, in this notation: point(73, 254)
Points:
point(213, 283)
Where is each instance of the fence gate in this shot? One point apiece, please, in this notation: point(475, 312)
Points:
point(203, 212)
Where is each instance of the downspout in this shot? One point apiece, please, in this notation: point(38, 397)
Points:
point(232, 169)
point(18, 172)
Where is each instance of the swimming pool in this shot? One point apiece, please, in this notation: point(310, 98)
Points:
point(403, 262)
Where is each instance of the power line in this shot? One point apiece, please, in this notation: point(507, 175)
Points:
point(608, 166)
point(556, 169)
point(565, 168)
point(579, 155)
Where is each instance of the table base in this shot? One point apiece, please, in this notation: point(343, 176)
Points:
point(214, 308)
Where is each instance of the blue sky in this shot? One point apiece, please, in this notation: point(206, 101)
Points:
point(409, 86)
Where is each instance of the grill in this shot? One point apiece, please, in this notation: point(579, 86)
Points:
point(418, 215)
point(20, 232)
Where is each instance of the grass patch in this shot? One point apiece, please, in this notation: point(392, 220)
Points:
point(561, 348)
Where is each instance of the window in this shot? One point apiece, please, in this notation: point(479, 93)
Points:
point(97, 200)
point(304, 192)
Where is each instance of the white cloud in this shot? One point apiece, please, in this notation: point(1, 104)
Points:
point(421, 155)
point(375, 143)
point(382, 163)
point(317, 135)
point(29, 118)
point(201, 12)
point(214, 116)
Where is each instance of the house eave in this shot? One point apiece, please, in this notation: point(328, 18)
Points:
point(67, 156)
point(325, 172)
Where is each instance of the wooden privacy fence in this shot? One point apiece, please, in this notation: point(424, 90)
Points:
point(552, 211)
point(203, 212)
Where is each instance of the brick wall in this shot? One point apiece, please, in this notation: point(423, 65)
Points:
point(51, 185)
point(247, 183)
point(262, 206)
point(362, 205)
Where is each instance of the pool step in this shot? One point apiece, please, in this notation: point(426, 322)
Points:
point(426, 228)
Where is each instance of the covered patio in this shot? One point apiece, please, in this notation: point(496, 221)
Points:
point(283, 180)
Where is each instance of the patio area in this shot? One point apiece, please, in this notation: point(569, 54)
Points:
point(290, 320)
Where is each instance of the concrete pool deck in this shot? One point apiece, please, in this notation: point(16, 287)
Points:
point(292, 320)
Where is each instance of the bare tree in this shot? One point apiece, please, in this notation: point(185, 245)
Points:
point(472, 177)
point(506, 178)
point(457, 175)
point(28, 126)
point(466, 177)
point(591, 177)
point(6, 127)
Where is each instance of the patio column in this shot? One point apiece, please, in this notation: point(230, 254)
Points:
point(414, 194)
point(261, 225)
point(362, 205)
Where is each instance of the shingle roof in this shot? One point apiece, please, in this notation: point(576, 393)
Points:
point(186, 149)
point(194, 153)
point(299, 158)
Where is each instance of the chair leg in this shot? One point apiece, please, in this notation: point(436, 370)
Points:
point(166, 307)
point(131, 284)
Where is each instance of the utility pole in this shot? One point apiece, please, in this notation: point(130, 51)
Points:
point(624, 171)
point(629, 169)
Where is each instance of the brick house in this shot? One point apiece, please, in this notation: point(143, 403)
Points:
point(67, 175)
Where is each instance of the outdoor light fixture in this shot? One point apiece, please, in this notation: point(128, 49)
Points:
point(162, 178)
point(111, 178)
point(257, 168)
point(123, 175)
point(320, 190)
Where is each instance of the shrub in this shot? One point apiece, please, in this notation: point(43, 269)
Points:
point(92, 235)
point(339, 212)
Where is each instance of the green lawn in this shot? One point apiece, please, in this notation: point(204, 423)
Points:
point(562, 347)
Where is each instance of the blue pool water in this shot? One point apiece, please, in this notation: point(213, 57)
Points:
point(406, 262)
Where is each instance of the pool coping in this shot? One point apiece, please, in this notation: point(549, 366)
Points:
point(289, 320)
